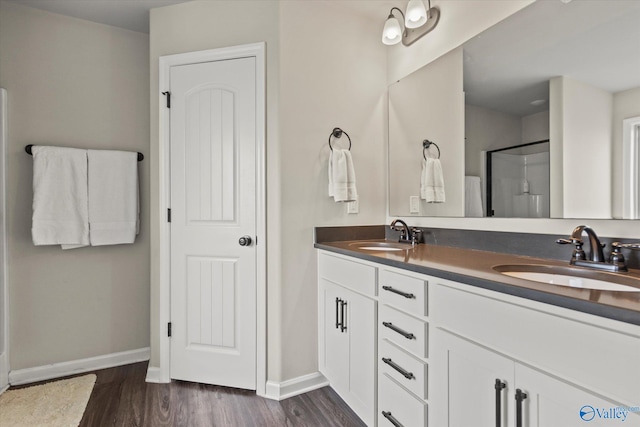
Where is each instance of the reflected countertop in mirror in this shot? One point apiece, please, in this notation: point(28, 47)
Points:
point(564, 72)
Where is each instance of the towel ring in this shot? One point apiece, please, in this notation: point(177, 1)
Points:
point(337, 133)
point(426, 144)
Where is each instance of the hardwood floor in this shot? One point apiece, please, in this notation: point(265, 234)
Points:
point(121, 397)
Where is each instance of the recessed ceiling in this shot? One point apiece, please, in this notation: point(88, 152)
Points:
point(129, 14)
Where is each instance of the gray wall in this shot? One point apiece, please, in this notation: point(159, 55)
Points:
point(73, 83)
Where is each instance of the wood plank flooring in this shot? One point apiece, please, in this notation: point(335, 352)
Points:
point(121, 397)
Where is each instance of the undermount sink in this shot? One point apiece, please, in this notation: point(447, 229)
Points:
point(381, 246)
point(570, 277)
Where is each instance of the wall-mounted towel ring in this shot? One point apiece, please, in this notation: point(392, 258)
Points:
point(426, 144)
point(28, 148)
point(337, 133)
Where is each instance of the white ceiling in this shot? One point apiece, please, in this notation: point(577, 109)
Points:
point(129, 14)
point(595, 42)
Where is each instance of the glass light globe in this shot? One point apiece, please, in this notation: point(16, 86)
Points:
point(416, 14)
point(392, 33)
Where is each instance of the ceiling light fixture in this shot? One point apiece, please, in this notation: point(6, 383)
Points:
point(416, 22)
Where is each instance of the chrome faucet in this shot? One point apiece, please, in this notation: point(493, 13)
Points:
point(407, 235)
point(595, 247)
point(596, 258)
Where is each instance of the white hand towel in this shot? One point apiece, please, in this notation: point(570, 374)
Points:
point(113, 197)
point(432, 181)
point(342, 176)
point(60, 206)
point(472, 197)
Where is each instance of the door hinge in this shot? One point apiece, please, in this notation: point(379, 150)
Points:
point(168, 215)
point(169, 329)
point(168, 95)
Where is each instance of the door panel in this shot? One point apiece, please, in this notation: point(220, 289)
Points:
point(553, 402)
point(213, 204)
point(472, 372)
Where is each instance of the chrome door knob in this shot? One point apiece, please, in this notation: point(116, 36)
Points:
point(245, 241)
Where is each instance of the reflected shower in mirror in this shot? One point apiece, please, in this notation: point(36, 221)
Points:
point(518, 181)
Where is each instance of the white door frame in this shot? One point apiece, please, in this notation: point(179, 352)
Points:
point(630, 166)
point(4, 284)
point(256, 50)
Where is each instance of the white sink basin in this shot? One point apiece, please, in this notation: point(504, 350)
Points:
point(570, 277)
point(381, 246)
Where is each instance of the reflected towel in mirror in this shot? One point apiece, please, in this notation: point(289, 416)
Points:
point(472, 197)
point(432, 181)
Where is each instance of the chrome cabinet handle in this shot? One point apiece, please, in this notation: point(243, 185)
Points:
point(407, 335)
point(338, 312)
point(408, 375)
point(520, 397)
point(343, 310)
point(499, 386)
point(391, 419)
point(395, 291)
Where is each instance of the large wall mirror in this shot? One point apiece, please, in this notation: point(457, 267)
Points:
point(527, 117)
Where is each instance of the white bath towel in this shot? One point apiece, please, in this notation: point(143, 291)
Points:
point(472, 197)
point(342, 176)
point(60, 205)
point(432, 181)
point(113, 197)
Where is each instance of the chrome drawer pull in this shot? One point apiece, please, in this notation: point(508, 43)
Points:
point(395, 291)
point(408, 375)
point(391, 419)
point(407, 335)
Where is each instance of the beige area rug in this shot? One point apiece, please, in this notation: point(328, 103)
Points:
point(58, 403)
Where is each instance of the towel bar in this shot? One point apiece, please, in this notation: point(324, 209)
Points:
point(28, 150)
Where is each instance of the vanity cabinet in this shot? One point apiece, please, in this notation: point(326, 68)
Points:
point(499, 363)
point(347, 331)
point(488, 389)
point(403, 349)
point(408, 349)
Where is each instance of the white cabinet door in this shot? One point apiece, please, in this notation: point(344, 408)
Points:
point(335, 348)
point(361, 327)
point(347, 347)
point(552, 402)
point(470, 384)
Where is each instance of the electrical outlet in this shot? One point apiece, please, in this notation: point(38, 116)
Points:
point(353, 207)
point(414, 204)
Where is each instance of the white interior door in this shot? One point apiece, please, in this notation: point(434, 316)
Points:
point(213, 205)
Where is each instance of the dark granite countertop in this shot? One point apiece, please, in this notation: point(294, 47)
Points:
point(475, 268)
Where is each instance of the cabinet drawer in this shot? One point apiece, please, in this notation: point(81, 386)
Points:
point(402, 291)
point(350, 274)
point(396, 402)
point(403, 330)
point(405, 369)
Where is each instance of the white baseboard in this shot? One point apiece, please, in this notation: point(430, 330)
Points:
point(154, 375)
point(283, 390)
point(4, 372)
point(63, 369)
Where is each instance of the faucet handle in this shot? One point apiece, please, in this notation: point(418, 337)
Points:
point(617, 245)
point(578, 252)
point(572, 241)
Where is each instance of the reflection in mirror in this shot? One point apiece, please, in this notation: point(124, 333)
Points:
point(564, 72)
point(518, 181)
